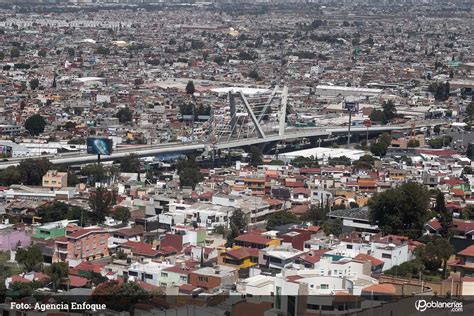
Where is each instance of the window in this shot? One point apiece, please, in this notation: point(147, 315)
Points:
point(183, 278)
point(148, 276)
point(313, 306)
point(324, 286)
point(386, 256)
point(203, 279)
point(132, 273)
point(164, 274)
point(327, 307)
point(349, 246)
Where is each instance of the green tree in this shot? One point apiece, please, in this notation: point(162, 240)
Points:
point(470, 111)
point(31, 258)
point(376, 116)
point(378, 149)
point(444, 217)
point(34, 83)
point(129, 293)
point(96, 173)
point(281, 218)
point(238, 222)
point(100, 202)
point(401, 210)
point(413, 143)
point(121, 255)
point(435, 255)
point(14, 53)
point(57, 272)
point(467, 212)
point(102, 50)
point(9, 176)
point(389, 111)
point(24, 289)
point(339, 161)
point(190, 89)
point(70, 126)
point(254, 75)
point(35, 124)
point(189, 173)
point(71, 52)
point(238, 219)
point(332, 227)
point(316, 215)
point(440, 90)
point(130, 163)
point(409, 269)
point(124, 115)
point(121, 213)
point(305, 162)
point(385, 139)
point(32, 170)
point(97, 278)
point(364, 162)
point(59, 210)
point(439, 142)
point(467, 170)
point(255, 156)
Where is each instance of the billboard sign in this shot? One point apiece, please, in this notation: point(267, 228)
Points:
point(99, 146)
point(5, 151)
point(352, 107)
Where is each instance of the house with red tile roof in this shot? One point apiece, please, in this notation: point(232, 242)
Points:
point(309, 259)
point(86, 268)
point(463, 263)
point(376, 265)
point(255, 240)
point(296, 237)
point(241, 258)
point(82, 244)
point(379, 292)
point(212, 278)
point(300, 195)
point(460, 228)
point(140, 249)
point(26, 278)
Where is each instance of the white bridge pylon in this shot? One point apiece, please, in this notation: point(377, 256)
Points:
point(251, 116)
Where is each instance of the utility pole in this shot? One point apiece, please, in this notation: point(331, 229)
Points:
point(351, 107)
point(349, 131)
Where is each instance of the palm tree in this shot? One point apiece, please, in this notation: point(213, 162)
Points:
point(57, 272)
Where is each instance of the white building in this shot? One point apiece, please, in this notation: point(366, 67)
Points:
point(148, 272)
point(391, 254)
point(300, 292)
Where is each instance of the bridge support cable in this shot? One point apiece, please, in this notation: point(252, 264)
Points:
point(284, 101)
point(233, 112)
point(258, 128)
point(267, 104)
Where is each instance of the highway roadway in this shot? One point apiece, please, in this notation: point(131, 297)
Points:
point(152, 150)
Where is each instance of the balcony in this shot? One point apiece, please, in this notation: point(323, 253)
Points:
point(61, 250)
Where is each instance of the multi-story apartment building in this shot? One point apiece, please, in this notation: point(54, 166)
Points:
point(82, 245)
